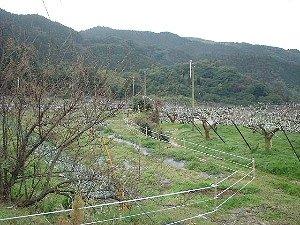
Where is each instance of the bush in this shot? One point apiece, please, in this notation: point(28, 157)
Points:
point(141, 103)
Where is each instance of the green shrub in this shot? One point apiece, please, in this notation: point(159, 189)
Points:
point(141, 103)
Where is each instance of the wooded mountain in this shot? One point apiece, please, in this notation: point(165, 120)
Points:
point(237, 72)
point(263, 62)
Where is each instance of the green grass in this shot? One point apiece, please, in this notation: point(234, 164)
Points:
point(273, 195)
point(280, 160)
point(278, 171)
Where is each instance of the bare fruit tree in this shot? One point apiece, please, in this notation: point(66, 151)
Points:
point(172, 116)
point(46, 115)
point(207, 126)
point(267, 132)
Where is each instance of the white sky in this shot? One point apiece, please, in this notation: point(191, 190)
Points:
point(268, 22)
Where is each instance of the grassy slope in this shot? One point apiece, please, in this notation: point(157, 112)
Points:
point(278, 198)
point(272, 197)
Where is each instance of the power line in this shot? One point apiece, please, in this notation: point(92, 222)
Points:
point(45, 7)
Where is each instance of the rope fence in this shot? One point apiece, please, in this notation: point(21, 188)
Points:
point(247, 165)
point(216, 201)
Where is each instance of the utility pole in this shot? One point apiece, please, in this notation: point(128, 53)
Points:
point(145, 89)
point(133, 86)
point(18, 83)
point(192, 76)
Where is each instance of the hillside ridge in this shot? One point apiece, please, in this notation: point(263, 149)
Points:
point(271, 70)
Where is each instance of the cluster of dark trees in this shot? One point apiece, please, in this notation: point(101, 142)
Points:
point(213, 83)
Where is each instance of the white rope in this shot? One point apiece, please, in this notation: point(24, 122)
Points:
point(216, 157)
point(193, 217)
point(220, 205)
point(216, 208)
point(197, 151)
point(149, 197)
point(227, 153)
point(234, 171)
point(146, 213)
point(155, 196)
point(226, 178)
point(202, 146)
point(233, 184)
point(225, 167)
point(109, 203)
point(174, 207)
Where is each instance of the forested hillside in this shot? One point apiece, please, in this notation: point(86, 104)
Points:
point(262, 62)
point(227, 72)
point(214, 83)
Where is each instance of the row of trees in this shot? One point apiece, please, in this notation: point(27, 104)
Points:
point(266, 121)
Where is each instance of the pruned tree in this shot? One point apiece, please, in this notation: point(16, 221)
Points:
point(207, 128)
point(154, 116)
point(46, 112)
point(172, 116)
point(267, 132)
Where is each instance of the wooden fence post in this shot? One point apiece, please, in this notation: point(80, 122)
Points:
point(253, 167)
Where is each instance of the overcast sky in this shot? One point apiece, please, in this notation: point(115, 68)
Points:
point(268, 22)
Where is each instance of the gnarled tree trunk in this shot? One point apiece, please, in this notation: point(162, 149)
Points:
point(172, 117)
point(206, 129)
point(268, 134)
point(268, 142)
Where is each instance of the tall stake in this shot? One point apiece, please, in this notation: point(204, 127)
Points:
point(139, 167)
point(285, 134)
point(133, 86)
point(253, 167)
point(241, 134)
point(215, 131)
point(145, 90)
point(192, 76)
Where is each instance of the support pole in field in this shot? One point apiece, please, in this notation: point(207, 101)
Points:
point(139, 166)
point(253, 167)
point(119, 185)
point(215, 131)
point(241, 134)
point(285, 134)
point(133, 86)
point(215, 186)
point(197, 128)
point(145, 90)
point(192, 76)
point(18, 83)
